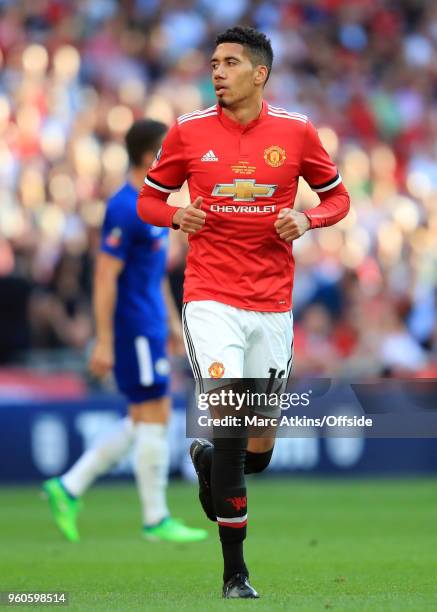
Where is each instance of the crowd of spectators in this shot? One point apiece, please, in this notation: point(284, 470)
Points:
point(73, 76)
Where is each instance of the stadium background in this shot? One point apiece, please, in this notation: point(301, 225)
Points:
point(73, 77)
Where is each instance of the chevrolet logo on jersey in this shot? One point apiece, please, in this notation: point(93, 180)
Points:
point(244, 190)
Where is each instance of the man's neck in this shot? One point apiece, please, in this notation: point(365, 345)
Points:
point(136, 177)
point(245, 114)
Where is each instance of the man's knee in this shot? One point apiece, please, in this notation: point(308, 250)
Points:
point(257, 462)
point(151, 411)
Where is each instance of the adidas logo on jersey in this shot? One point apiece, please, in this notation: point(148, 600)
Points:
point(210, 156)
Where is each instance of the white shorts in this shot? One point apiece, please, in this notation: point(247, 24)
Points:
point(223, 341)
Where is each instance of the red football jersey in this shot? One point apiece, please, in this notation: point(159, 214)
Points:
point(245, 174)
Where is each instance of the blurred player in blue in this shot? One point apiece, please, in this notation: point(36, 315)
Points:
point(135, 316)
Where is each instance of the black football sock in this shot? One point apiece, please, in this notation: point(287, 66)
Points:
point(205, 460)
point(230, 501)
point(257, 462)
point(233, 560)
point(205, 494)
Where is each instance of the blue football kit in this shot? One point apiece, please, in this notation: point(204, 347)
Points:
point(140, 320)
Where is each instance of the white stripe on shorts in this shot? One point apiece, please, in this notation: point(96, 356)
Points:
point(191, 350)
point(145, 363)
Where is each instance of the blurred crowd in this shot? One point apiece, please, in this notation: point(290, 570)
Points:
point(73, 76)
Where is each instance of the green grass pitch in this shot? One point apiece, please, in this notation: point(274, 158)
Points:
point(312, 545)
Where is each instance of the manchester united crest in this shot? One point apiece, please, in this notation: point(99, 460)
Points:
point(274, 156)
point(216, 369)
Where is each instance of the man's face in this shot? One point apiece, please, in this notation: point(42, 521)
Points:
point(233, 75)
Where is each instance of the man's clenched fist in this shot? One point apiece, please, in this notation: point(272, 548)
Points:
point(190, 219)
point(102, 359)
point(291, 224)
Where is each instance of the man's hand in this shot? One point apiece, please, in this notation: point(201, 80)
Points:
point(102, 359)
point(291, 224)
point(190, 219)
point(176, 345)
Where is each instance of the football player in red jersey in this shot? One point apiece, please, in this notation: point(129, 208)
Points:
point(242, 159)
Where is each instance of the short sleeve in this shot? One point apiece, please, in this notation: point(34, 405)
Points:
point(168, 171)
point(317, 168)
point(117, 230)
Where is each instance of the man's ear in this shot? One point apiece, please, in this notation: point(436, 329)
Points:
point(261, 74)
point(148, 159)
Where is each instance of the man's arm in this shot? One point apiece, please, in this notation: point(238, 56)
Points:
point(334, 206)
point(321, 174)
point(152, 208)
point(107, 271)
point(174, 320)
point(167, 175)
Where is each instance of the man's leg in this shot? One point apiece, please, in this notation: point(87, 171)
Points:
point(229, 463)
point(214, 335)
point(146, 429)
point(228, 489)
point(269, 359)
point(107, 452)
point(151, 457)
point(64, 492)
point(151, 464)
point(258, 454)
point(142, 373)
point(224, 463)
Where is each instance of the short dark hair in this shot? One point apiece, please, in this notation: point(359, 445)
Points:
point(257, 44)
point(143, 136)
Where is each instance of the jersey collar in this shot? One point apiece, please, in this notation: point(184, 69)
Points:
point(234, 125)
